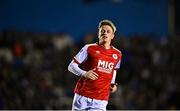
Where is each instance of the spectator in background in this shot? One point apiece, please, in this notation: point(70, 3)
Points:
point(98, 72)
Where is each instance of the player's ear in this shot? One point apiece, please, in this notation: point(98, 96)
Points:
point(113, 36)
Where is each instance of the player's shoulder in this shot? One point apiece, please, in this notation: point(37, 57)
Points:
point(91, 45)
point(117, 50)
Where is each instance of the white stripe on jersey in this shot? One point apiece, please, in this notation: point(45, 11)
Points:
point(114, 77)
point(82, 54)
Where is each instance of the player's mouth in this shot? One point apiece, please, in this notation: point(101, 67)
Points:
point(104, 37)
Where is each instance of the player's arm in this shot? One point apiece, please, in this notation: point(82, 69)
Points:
point(113, 84)
point(74, 68)
point(78, 59)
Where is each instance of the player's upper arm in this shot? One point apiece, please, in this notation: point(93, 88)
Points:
point(82, 55)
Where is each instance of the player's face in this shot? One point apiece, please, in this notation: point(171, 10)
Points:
point(106, 34)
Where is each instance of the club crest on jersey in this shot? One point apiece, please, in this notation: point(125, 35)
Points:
point(105, 66)
point(114, 56)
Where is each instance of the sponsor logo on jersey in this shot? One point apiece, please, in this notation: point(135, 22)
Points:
point(105, 66)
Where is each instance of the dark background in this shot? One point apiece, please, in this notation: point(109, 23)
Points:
point(79, 17)
point(39, 38)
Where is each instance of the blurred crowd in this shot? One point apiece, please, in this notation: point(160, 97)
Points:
point(34, 75)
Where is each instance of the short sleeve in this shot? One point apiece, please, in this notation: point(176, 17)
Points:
point(82, 55)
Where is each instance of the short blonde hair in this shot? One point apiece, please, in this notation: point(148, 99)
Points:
point(107, 22)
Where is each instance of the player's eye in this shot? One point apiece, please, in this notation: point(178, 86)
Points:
point(102, 31)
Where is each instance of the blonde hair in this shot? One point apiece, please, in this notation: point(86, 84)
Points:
point(107, 22)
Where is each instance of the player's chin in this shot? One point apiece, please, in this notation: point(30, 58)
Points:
point(102, 42)
point(105, 40)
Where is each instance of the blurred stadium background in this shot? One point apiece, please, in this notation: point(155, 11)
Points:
point(38, 39)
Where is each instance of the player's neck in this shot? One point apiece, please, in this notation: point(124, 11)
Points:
point(106, 45)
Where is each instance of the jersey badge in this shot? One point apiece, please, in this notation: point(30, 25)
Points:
point(114, 56)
